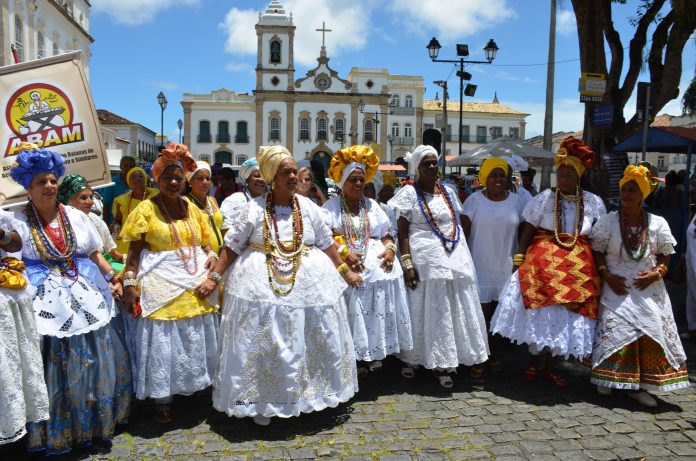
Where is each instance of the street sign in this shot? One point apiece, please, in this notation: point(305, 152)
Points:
point(592, 87)
point(603, 115)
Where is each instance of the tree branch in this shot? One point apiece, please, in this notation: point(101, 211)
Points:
point(616, 47)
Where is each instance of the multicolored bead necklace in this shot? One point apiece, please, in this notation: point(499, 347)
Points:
point(210, 211)
point(282, 268)
point(635, 243)
point(357, 238)
point(558, 217)
point(56, 248)
point(185, 252)
point(453, 239)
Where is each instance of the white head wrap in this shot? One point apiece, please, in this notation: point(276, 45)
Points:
point(516, 162)
point(247, 168)
point(416, 157)
point(378, 181)
point(351, 167)
point(200, 165)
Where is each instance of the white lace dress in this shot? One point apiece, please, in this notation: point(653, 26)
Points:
point(378, 309)
point(552, 328)
point(23, 396)
point(493, 240)
point(625, 318)
point(691, 275)
point(282, 355)
point(446, 318)
point(232, 206)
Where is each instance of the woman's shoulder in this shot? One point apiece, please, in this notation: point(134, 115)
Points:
point(657, 221)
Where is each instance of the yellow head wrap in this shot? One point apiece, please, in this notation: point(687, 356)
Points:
point(133, 170)
point(390, 179)
point(574, 153)
point(361, 157)
point(489, 165)
point(643, 178)
point(270, 158)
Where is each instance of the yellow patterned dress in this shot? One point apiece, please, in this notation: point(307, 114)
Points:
point(124, 204)
point(175, 339)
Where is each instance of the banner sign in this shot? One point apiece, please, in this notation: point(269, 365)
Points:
point(592, 87)
point(48, 102)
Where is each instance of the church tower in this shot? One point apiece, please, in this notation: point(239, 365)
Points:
point(275, 70)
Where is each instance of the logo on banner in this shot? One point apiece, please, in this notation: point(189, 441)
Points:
point(41, 114)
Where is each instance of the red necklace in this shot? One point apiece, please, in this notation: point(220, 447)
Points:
point(54, 233)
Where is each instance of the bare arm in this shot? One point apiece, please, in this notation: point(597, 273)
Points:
point(15, 241)
point(466, 225)
point(528, 232)
point(410, 275)
point(130, 294)
point(227, 257)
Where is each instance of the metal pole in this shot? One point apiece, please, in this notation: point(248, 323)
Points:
point(161, 127)
point(444, 127)
point(646, 121)
point(461, 103)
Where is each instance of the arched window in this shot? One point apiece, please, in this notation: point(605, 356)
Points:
point(304, 129)
point(223, 135)
point(55, 48)
point(241, 159)
point(242, 135)
point(40, 45)
point(369, 131)
point(395, 130)
point(408, 102)
point(339, 130)
point(223, 157)
point(396, 101)
point(275, 52)
point(204, 157)
point(274, 129)
point(204, 131)
point(408, 131)
point(19, 37)
point(322, 132)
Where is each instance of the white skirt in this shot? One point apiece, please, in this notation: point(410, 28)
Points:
point(379, 319)
point(281, 360)
point(552, 328)
point(23, 396)
point(447, 323)
point(174, 356)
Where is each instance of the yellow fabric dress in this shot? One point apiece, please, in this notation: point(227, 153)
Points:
point(216, 239)
point(125, 204)
point(147, 219)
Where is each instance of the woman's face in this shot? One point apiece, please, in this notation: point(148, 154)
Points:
point(496, 182)
point(355, 185)
point(386, 193)
point(255, 183)
point(304, 182)
point(285, 180)
point(567, 179)
point(43, 188)
point(83, 200)
point(631, 196)
point(171, 181)
point(200, 183)
point(137, 180)
point(427, 169)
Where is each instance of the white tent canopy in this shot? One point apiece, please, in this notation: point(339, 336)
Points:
point(504, 146)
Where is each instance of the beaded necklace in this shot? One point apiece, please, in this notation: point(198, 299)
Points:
point(453, 239)
point(635, 243)
point(185, 253)
point(247, 195)
point(210, 211)
point(56, 248)
point(282, 268)
point(558, 217)
point(130, 197)
point(357, 238)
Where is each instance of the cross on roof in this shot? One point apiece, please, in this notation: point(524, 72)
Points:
point(323, 31)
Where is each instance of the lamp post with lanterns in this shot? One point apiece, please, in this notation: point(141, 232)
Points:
point(491, 49)
point(162, 101)
point(180, 124)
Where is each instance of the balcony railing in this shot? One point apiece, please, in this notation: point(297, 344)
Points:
point(241, 139)
point(402, 141)
point(204, 138)
point(222, 138)
point(402, 110)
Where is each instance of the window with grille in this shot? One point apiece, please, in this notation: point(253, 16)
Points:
point(395, 130)
point(274, 132)
point(275, 52)
point(369, 131)
point(242, 136)
point(204, 131)
point(223, 135)
point(515, 133)
point(304, 129)
point(408, 102)
point(19, 37)
point(396, 101)
point(322, 132)
point(408, 131)
point(40, 45)
point(339, 130)
point(496, 132)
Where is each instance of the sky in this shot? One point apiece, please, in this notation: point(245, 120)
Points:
point(143, 47)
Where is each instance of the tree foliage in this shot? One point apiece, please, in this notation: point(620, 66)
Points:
point(689, 99)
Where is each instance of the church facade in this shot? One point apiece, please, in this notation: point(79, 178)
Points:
point(321, 111)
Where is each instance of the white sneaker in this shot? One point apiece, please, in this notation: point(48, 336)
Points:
point(262, 420)
point(603, 390)
point(643, 398)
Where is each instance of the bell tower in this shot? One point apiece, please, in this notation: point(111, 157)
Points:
point(275, 32)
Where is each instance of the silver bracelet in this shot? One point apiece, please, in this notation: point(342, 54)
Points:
point(6, 237)
point(129, 283)
point(110, 276)
point(215, 277)
point(391, 246)
point(213, 255)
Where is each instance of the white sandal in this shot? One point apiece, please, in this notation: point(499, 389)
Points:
point(262, 420)
point(643, 398)
point(407, 371)
point(445, 379)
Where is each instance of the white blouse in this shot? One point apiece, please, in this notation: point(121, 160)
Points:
point(539, 212)
point(231, 207)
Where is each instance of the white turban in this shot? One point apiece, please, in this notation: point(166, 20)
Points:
point(200, 165)
point(416, 157)
point(247, 168)
point(351, 167)
point(516, 162)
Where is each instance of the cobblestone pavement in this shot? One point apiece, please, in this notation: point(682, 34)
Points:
point(503, 417)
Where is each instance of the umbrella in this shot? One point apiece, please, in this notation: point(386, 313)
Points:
point(504, 146)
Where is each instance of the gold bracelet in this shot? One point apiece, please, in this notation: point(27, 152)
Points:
point(405, 257)
point(343, 269)
point(659, 274)
point(343, 252)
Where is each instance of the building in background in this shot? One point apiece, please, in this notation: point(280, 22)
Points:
point(130, 138)
point(42, 28)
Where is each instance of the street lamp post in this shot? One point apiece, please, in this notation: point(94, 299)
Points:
point(491, 49)
point(180, 124)
point(390, 140)
point(361, 108)
point(443, 84)
point(162, 101)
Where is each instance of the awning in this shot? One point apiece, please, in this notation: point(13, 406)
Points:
point(387, 167)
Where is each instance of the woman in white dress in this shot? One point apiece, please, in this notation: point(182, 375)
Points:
point(690, 263)
point(637, 346)
point(23, 395)
point(551, 302)
point(492, 218)
point(254, 186)
point(285, 343)
point(448, 325)
point(378, 309)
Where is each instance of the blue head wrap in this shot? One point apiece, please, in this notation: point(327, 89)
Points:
point(247, 168)
point(31, 162)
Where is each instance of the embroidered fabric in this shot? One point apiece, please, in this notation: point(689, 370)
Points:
point(107, 242)
point(539, 212)
point(691, 275)
point(231, 207)
point(625, 318)
point(493, 240)
point(23, 395)
point(552, 328)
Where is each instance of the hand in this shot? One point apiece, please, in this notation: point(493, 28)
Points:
point(206, 288)
point(388, 260)
point(117, 290)
point(353, 261)
point(617, 283)
point(411, 278)
point(352, 279)
point(645, 279)
point(130, 301)
point(210, 262)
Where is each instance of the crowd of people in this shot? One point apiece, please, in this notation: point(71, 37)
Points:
point(281, 298)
